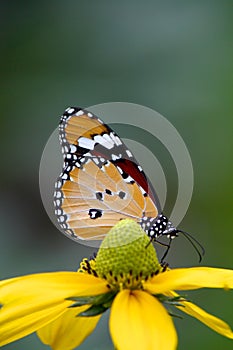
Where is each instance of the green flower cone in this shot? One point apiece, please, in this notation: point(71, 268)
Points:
point(126, 255)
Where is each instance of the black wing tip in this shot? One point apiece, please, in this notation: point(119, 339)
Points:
point(73, 109)
point(69, 112)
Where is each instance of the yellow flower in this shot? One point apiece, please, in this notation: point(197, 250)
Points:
point(65, 307)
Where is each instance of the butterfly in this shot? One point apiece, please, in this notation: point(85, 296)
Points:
point(102, 183)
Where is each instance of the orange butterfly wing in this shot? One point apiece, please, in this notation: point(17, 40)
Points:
point(101, 182)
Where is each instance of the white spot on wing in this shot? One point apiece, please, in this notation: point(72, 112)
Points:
point(114, 157)
point(115, 139)
point(107, 138)
point(79, 113)
point(58, 194)
point(84, 142)
point(61, 218)
point(129, 179)
point(96, 160)
point(104, 142)
point(72, 148)
point(120, 170)
point(129, 154)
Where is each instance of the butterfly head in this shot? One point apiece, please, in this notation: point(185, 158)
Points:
point(159, 226)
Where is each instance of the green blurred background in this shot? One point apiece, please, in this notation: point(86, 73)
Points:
point(172, 56)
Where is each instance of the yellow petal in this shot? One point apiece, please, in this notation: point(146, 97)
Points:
point(190, 278)
point(209, 320)
point(20, 327)
point(68, 331)
point(30, 302)
point(138, 321)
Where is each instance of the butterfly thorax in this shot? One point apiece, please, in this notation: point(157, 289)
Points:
point(159, 226)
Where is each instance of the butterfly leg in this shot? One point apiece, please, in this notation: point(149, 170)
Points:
point(166, 251)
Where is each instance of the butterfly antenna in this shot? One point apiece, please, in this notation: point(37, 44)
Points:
point(196, 245)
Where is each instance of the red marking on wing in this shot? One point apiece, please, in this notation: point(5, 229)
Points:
point(131, 169)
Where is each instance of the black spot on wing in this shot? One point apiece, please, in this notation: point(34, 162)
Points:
point(95, 213)
point(108, 191)
point(99, 196)
point(122, 194)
